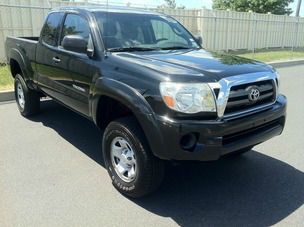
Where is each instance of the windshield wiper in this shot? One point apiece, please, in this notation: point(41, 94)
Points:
point(124, 49)
point(175, 48)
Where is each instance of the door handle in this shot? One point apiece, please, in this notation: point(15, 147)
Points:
point(56, 59)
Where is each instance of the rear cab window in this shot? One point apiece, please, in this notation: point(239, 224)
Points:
point(50, 31)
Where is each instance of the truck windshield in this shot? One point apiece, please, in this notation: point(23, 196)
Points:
point(142, 32)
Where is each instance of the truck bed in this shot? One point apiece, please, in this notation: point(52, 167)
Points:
point(24, 46)
point(33, 38)
point(30, 39)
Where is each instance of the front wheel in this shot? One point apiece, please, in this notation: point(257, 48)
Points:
point(28, 101)
point(134, 170)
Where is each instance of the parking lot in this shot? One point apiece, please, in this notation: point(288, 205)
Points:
point(52, 174)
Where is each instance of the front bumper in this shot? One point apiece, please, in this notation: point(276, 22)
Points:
point(217, 138)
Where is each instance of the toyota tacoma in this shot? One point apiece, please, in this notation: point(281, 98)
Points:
point(149, 85)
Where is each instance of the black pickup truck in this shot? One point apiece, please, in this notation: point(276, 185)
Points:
point(150, 87)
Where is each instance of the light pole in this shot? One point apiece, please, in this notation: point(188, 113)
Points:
point(298, 8)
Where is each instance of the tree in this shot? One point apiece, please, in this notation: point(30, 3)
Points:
point(279, 7)
point(171, 3)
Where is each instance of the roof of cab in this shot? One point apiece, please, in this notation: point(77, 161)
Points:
point(105, 8)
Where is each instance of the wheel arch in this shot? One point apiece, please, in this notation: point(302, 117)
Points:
point(132, 103)
point(17, 63)
point(108, 89)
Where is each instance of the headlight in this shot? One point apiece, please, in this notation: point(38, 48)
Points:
point(188, 97)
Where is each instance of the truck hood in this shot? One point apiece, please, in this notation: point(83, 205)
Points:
point(213, 66)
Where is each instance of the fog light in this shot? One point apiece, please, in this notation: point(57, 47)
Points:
point(189, 141)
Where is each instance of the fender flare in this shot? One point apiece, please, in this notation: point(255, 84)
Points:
point(16, 55)
point(139, 106)
point(121, 92)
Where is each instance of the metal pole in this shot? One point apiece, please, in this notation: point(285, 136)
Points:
point(227, 36)
point(267, 32)
point(31, 17)
point(249, 32)
point(49, 4)
point(284, 33)
point(297, 34)
point(214, 27)
point(214, 34)
point(298, 8)
point(254, 34)
point(294, 37)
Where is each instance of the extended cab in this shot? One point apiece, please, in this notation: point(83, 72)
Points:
point(151, 88)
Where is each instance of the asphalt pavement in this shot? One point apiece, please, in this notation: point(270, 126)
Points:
point(52, 174)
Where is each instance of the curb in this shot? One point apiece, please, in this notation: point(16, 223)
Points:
point(281, 64)
point(7, 96)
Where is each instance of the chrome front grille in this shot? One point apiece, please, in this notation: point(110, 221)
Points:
point(239, 99)
point(232, 93)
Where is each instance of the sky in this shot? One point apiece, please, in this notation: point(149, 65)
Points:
point(188, 3)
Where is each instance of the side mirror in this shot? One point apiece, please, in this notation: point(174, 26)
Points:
point(75, 43)
point(199, 39)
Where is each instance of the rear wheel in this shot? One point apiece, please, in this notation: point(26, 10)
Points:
point(28, 101)
point(134, 170)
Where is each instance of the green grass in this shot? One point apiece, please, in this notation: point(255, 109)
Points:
point(6, 80)
point(276, 55)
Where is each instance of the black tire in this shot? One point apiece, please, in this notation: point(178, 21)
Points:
point(31, 99)
point(150, 170)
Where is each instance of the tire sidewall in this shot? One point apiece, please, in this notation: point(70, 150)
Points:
point(20, 80)
point(109, 135)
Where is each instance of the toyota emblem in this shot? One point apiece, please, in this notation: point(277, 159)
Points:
point(253, 94)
